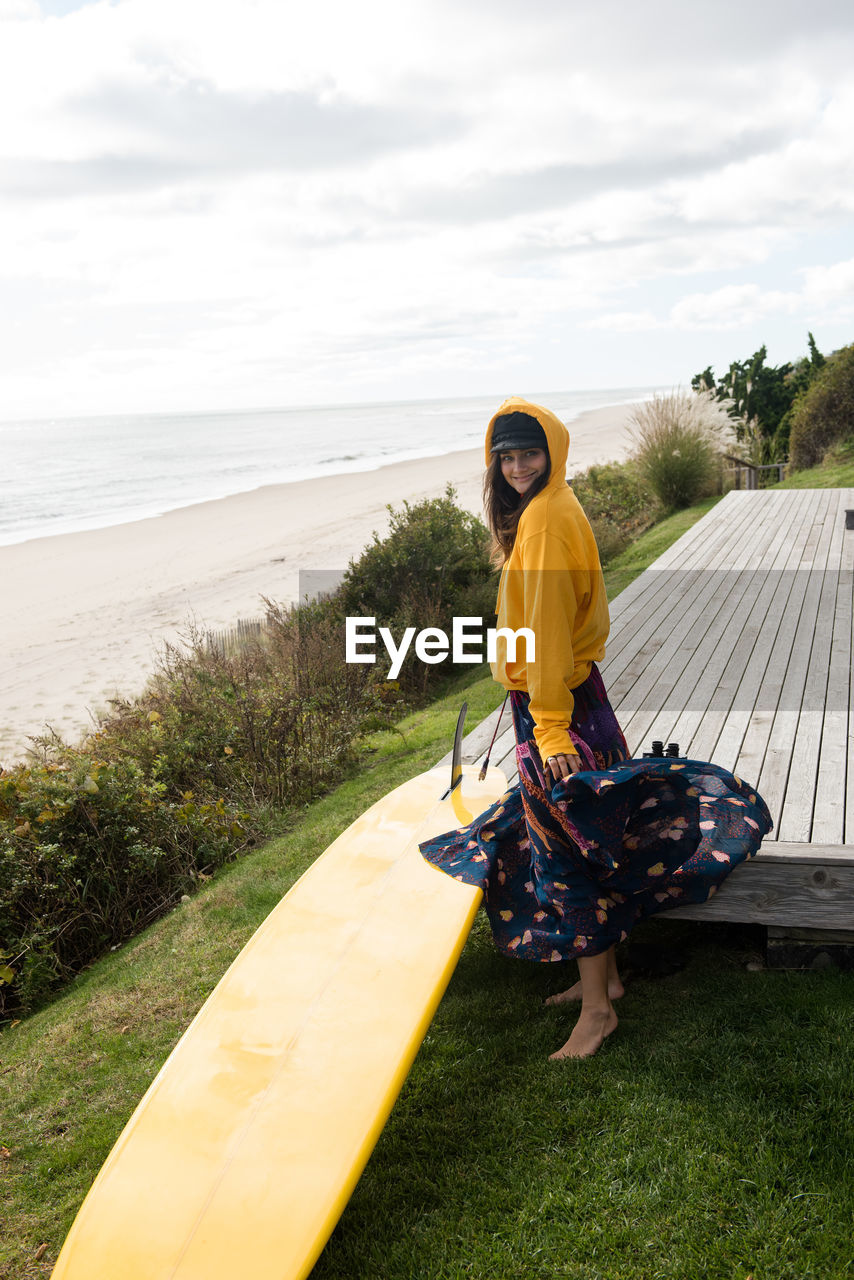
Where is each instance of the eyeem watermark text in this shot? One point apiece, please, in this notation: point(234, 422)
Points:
point(432, 644)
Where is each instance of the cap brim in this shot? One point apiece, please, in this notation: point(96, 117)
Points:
point(515, 444)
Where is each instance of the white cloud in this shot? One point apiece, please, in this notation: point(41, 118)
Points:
point(18, 10)
point(732, 307)
point(826, 295)
point(829, 284)
point(626, 321)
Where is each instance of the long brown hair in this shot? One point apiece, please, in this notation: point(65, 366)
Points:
point(504, 506)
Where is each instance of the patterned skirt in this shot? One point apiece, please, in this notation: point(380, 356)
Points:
point(568, 869)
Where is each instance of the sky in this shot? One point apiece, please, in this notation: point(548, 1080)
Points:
point(228, 204)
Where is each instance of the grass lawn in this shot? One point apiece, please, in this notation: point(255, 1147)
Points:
point(837, 472)
point(707, 1139)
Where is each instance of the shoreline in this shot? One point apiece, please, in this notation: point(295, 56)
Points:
point(89, 610)
point(93, 520)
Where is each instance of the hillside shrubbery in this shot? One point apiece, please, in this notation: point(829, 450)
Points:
point(619, 503)
point(823, 414)
point(434, 564)
point(98, 839)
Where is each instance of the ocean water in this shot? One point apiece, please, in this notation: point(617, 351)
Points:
point(62, 475)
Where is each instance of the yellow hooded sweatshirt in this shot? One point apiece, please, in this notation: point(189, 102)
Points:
point(552, 583)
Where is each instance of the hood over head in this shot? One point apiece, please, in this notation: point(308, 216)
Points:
point(557, 436)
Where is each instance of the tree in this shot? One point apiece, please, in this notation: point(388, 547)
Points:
point(824, 414)
point(799, 382)
point(763, 396)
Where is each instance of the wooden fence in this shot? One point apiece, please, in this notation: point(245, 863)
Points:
point(747, 475)
point(233, 638)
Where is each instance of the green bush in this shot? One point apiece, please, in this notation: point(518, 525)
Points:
point(824, 414)
point(433, 565)
point(90, 851)
point(619, 503)
point(680, 438)
point(268, 724)
point(98, 839)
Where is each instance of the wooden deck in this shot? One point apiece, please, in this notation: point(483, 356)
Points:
point(737, 644)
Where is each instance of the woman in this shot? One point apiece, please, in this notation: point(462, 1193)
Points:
point(588, 841)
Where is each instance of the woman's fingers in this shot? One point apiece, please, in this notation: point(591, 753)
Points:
point(563, 766)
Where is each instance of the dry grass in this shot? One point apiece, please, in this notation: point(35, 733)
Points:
point(680, 440)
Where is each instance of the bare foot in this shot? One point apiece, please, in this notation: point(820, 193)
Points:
point(572, 994)
point(588, 1035)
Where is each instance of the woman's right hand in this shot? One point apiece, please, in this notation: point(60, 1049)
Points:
point(563, 766)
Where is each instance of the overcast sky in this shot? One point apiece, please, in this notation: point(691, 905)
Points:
point(239, 203)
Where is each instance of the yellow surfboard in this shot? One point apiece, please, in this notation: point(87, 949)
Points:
point(244, 1151)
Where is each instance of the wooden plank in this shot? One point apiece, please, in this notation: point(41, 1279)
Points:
point(733, 703)
point(774, 743)
point(814, 735)
point(840, 937)
point(654, 590)
point(725, 635)
point(640, 708)
point(627, 676)
point(720, 734)
point(716, 535)
point(829, 807)
point(790, 851)
point(713, 526)
point(687, 703)
point(505, 756)
point(755, 702)
point(803, 893)
point(682, 663)
point(646, 627)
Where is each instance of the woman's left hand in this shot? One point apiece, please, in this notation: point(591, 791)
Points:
point(563, 766)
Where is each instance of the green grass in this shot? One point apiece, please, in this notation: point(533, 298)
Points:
point(622, 569)
point(836, 472)
point(705, 1141)
point(702, 1142)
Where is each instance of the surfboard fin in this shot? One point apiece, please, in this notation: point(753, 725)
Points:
point(457, 753)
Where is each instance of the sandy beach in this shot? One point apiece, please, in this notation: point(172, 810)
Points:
point(85, 613)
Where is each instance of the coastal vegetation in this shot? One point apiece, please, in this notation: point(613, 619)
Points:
point(681, 439)
point(765, 400)
point(822, 417)
point(99, 838)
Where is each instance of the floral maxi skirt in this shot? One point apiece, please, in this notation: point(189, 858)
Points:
point(568, 869)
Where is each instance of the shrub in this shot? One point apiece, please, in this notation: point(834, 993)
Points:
point(433, 564)
point(90, 851)
point(267, 724)
point(96, 840)
point(824, 414)
point(680, 438)
point(619, 503)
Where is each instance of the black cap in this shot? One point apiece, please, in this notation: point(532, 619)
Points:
point(517, 431)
